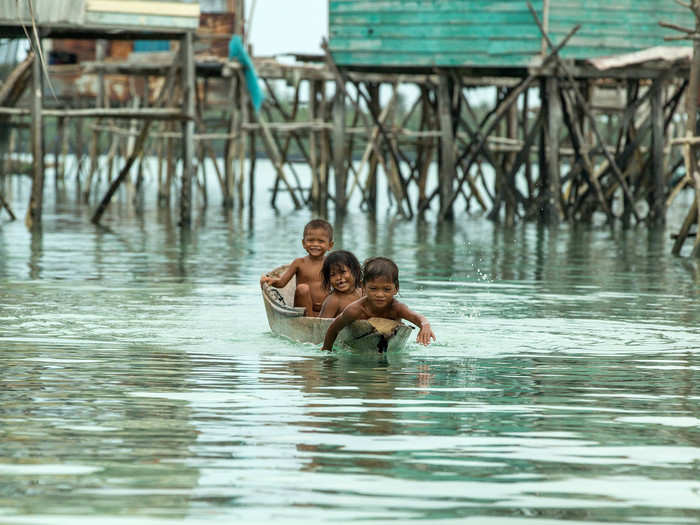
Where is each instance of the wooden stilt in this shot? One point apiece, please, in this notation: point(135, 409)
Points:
point(4, 204)
point(244, 139)
point(657, 210)
point(229, 147)
point(447, 158)
point(339, 149)
point(33, 217)
point(165, 94)
point(188, 95)
point(553, 211)
point(95, 139)
point(371, 184)
point(313, 150)
point(511, 133)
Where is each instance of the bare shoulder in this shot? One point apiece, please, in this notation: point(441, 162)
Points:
point(297, 263)
point(355, 310)
point(331, 301)
point(401, 310)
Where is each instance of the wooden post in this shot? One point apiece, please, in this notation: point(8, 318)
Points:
point(229, 147)
point(692, 96)
point(33, 218)
point(339, 149)
point(512, 133)
point(188, 95)
point(373, 91)
point(658, 199)
point(447, 148)
point(239, 13)
point(245, 140)
point(313, 149)
point(553, 212)
point(99, 103)
point(324, 164)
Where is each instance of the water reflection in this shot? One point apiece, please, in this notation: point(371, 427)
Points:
point(36, 252)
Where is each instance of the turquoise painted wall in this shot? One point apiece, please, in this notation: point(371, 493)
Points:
point(490, 33)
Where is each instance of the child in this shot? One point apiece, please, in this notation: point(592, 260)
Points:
point(317, 240)
point(380, 282)
point(342, 276)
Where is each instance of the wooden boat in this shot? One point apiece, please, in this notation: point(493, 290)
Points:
point(375, 334)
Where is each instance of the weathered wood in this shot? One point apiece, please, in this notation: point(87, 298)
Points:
point(499, 111)
point(339, 160)
point(447, 159)
point(578, 142)
point(276, 159)
point(166, 94)
point(117, 113)
point(690, 219)
point(100, 51)
point(657, 211)
point(4, 204)
point(16, 82)
point(33, 217)
point(582, 102)
point(188, 94)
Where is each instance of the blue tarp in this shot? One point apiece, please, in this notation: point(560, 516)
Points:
point(237, 51)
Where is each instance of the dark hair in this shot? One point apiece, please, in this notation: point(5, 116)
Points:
point(341, 258)
point(319, 224)
point(376, 267)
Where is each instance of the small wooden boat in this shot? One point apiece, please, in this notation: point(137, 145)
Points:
point(375, 334)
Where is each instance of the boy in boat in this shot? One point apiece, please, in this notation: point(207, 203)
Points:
point(380, 282)
point(310, 294)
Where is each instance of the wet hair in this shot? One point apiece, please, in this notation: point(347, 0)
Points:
point(376, 267)
point(319, 224)
point(341, 258)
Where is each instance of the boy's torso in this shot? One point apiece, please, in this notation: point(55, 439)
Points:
point(390, 312)
point(309, 272)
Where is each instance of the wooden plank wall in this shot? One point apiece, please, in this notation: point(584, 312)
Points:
point(615, 27)
point(488, 33)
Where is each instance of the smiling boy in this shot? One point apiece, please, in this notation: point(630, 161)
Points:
point(309, 294)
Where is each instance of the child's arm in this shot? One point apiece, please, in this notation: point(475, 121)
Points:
point(350, 314)
point(283, 279)
point(329, 308)
point(425, 333)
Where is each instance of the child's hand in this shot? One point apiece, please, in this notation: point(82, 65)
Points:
point(425, 335)
point(264, 278)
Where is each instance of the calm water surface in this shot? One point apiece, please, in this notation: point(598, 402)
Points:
point(139, 381)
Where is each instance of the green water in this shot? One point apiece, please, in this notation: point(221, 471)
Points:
point(139, 382)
